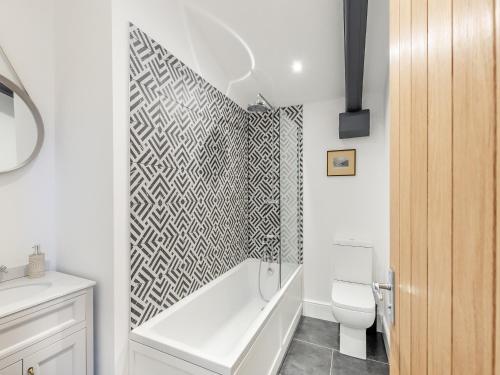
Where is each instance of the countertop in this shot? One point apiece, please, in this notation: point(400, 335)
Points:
point(57, 285)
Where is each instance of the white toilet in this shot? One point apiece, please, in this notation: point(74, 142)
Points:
point(353, 302)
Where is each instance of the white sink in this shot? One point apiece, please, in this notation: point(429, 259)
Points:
point(20, 292)
point(23, 293)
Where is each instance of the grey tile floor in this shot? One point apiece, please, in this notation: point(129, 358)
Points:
point(315, 351)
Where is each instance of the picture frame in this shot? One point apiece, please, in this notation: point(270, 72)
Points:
point(341, 162)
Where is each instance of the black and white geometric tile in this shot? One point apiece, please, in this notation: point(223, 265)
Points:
point(275, 183)
point(204, 180)
point(291, 183)
point(263, 183)
point(188, 180)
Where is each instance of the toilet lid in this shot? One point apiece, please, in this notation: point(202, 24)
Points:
point(353, 296)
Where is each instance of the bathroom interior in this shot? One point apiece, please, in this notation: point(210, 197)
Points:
point(292, 176)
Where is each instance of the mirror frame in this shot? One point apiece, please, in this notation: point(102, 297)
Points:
point(23, 94)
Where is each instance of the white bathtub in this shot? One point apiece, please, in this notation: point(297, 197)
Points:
point(224, 327)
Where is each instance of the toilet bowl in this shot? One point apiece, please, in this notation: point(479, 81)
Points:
point(353, 307)
point(353, 303)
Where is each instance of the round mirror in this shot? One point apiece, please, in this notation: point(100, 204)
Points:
point(21, 127)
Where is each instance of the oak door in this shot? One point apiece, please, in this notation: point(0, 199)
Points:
point(444, 168)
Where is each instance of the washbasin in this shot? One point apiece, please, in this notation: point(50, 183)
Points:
point(21, 292)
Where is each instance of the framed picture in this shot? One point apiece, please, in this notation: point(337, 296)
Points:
point(341, 163)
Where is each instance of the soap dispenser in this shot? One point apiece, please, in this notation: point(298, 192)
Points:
point(36, 265)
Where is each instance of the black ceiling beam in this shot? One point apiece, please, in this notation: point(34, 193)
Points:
point(355, 122)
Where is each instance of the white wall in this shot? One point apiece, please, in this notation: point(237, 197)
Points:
point(27, 195)
point(84, 158)
point(342, 207)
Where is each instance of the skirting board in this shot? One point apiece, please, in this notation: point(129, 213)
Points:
point(318, 310)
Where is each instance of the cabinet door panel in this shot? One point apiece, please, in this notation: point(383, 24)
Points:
point(64, 357)
point(19, 332)
point(15, 369)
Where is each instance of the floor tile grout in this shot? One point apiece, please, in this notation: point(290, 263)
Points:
point(335, 350)
point(331, 364)
point(311, 343)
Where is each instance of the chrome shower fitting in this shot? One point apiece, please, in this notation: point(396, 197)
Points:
point(261, 105)
point(268, 256)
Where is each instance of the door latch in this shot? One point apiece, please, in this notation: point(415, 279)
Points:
point(377, 291)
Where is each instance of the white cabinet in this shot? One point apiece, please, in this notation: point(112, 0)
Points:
point(15, 369)
point(66, 356)
point(53, 338)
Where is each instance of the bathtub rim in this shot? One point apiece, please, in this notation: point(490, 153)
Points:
point(145, 335)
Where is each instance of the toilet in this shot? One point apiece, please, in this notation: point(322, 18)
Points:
point(353, 303)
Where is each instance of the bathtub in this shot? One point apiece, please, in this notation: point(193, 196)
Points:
point(225, 327)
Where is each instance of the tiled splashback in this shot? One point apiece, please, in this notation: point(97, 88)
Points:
point(194, 179)
point(263, 183)
point(291, 179)
point(188, 180)
point(275, 183)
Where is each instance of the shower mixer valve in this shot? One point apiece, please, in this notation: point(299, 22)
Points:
point(267, 255)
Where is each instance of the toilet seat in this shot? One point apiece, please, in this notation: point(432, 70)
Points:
point(353, 296)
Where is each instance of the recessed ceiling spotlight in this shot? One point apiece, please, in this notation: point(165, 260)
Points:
point(297, 66)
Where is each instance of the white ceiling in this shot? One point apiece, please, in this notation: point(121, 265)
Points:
point(253, 43)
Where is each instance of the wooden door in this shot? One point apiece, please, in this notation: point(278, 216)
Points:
point(444, 151)
point(64, 357)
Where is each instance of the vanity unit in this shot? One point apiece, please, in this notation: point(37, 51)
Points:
point(46, 326)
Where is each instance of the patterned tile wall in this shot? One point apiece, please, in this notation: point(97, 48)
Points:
point(188, 180)
point(263, 184)
point(275, 183)
point(291, 183)
point(204, 180)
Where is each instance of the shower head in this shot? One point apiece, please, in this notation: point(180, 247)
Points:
point(258, 107)
point(261, 105)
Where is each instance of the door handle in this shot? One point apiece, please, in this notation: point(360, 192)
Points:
point(31, 371)
point(377, 287)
